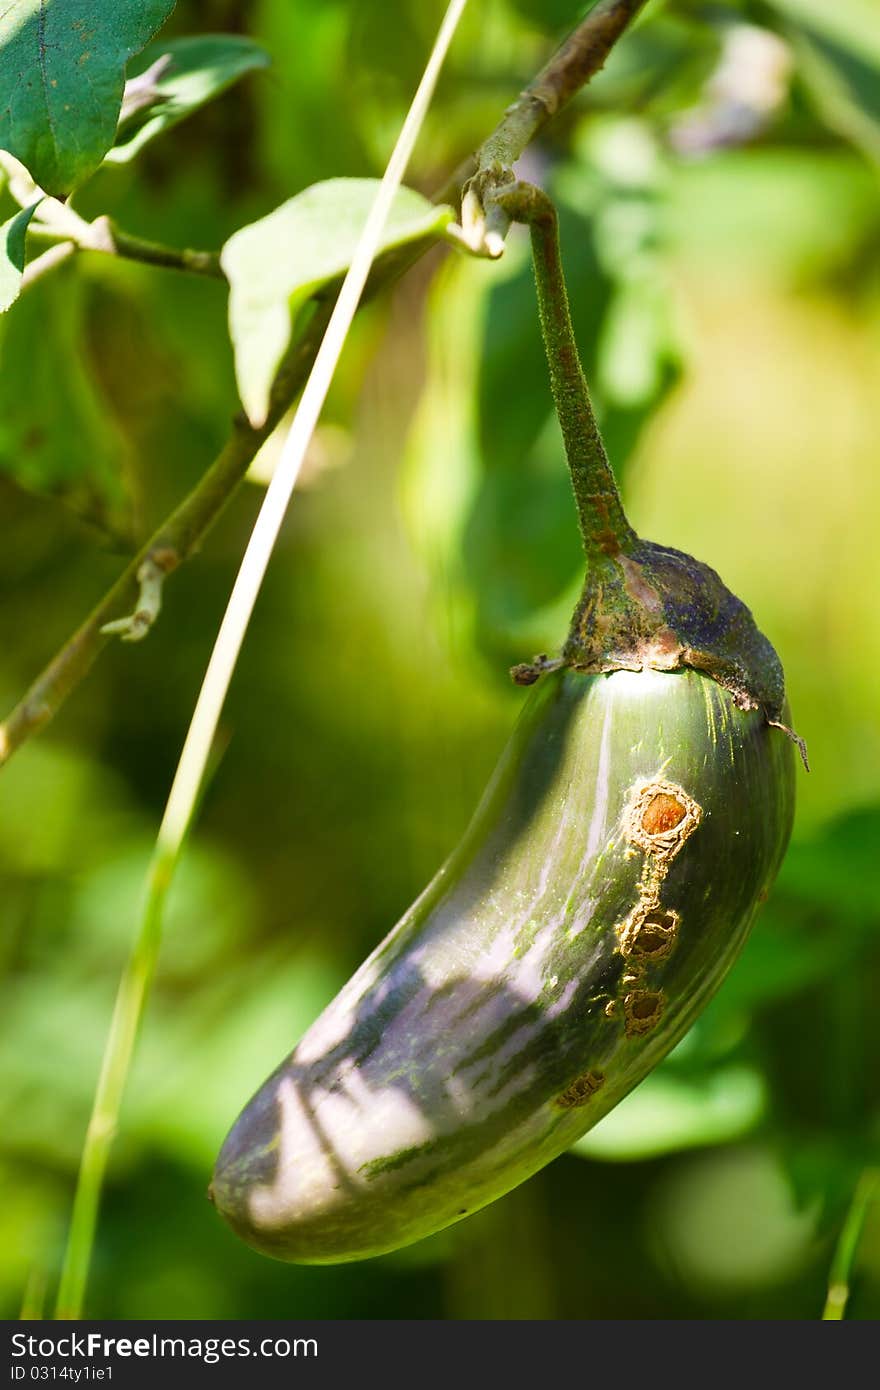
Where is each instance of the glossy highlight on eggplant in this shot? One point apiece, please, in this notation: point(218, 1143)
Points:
point(602, 891)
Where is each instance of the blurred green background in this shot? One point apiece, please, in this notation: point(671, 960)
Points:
point(718, 188)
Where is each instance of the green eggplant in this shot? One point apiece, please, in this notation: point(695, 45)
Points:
point(601, 892)
point(603, 888)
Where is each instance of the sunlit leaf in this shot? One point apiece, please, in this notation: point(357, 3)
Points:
point(64, 61)
point(194, 71)
point(275, 265)
point(667, 1113)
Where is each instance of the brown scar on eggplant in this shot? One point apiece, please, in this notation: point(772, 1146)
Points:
point(642, 1010)
point(649, 932)
point(580, 1090)
point(660, 817)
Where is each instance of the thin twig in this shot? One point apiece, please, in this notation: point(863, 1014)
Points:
point(135, 248)
point(581, 55)
point(104, 236)
point(579, 58)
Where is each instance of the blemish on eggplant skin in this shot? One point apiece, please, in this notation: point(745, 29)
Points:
point(663, 812)
point(649, 933)
point(642, 1009)
point(581, 1090)
point(660, 817)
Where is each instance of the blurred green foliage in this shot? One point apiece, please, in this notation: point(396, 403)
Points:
point(723, 263)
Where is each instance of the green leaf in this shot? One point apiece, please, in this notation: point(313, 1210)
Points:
point(550, 15)
point(852, 23)
point(275, 265)
point(197, 70)
point(837, 48)
point(667, 1113)
point(56, 435)
point(845, 87)
point(822, 917)
point(660, 65)
point(64, 61)
point(12, 255)
point(835, 872)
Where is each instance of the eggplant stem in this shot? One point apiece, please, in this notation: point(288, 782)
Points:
point(605, 530)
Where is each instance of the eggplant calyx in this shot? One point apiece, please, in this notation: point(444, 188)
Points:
point(656, 608)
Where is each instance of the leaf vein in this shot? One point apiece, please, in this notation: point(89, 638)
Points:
point(44, 77)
